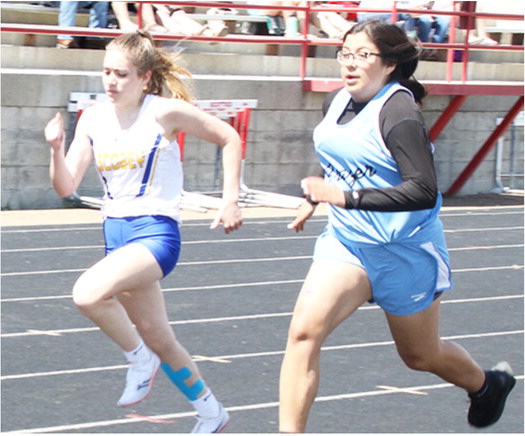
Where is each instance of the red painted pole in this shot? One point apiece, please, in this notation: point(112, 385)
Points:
point(446, 116)
point(139, 15)
point(485, 149)
point(181, 139)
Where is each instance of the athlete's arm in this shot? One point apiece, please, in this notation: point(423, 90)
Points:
point(177, 115)
point(407, 140)
point(410, 147)
point(66, 171)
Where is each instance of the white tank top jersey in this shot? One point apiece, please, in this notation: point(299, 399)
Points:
point(354, 156)
point(141, 170)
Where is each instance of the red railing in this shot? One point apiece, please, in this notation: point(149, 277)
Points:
point(458, 89)
point(303, 39)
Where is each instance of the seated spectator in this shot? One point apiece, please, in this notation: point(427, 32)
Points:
point(126, 24)
point(329, 22)
point(416, 25)
point(98, 17)
point(276, 18)
point(173, 20)
point(478, 35)
point(178, 22)
point(289, 23)
point(215, 23)
point(404, 19)
point(424, 24)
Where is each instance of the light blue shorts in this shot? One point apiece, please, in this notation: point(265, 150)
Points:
point(405, 277)
point(160, 234)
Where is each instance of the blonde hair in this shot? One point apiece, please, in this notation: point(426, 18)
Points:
point(166, 73)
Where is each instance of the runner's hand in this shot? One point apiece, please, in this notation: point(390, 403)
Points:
point(230, 216)
point(318, 191)
point(54, 132)
point(306, 210)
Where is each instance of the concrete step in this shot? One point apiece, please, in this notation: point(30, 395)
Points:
point(217, 63)
point(25, 12)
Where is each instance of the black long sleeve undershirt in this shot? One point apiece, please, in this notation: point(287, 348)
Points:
point(406, 137)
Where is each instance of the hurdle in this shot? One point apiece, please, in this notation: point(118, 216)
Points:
point(237, 112)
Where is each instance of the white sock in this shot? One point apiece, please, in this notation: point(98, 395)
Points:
point(207, 406)
point(139, 354)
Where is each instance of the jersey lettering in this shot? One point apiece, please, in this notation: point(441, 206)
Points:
point(120, 161)
point(348, 176)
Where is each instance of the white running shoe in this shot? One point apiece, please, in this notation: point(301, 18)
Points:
point(212, 425)
point(139, 380)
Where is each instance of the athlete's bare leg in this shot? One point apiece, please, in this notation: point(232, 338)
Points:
point(331, 292)
point(127, 269)
point(421, 348)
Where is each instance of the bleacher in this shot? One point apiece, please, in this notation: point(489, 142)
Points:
point(228, 65)
point(28, 13)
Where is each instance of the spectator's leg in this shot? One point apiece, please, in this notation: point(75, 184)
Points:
point(67, 17)
point(442, 27)
point(365, 16)
point(120, 9)
point(98, 18)
point(149, 19)
point(423, 25)
point(98, 14)
point(407, 22)
point(181, 23)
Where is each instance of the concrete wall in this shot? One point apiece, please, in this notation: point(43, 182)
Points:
point(279, 154)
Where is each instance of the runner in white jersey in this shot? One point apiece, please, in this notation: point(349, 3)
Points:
point(384, 241)
point(132, 140)
point(140, 169)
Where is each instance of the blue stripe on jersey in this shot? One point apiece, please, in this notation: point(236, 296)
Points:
point(104, 180)
point(149, 166)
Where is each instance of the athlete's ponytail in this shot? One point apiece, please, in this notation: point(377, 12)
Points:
point(396, 49)
point(166, 73)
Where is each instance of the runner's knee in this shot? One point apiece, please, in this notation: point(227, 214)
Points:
point(84, 294)
point(417, 361)
point(305, 331)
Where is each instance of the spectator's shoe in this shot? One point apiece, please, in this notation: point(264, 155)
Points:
point(212, 425)
point(67, 43)
point(139, 380)
point(486, 407)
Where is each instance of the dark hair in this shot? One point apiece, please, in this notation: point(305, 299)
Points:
point(396, 49)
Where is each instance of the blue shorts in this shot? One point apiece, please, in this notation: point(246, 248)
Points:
point(160, 234)
point(405, 277)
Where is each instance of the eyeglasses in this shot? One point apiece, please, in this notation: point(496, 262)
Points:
point(344, 57)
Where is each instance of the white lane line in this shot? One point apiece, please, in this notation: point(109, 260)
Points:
point(90, 247)
point(242, 408)
point(245, 284)
point(218, 262)
point(59, 332)
point(255, 355)
point(180, 264)
point(186, 288)
point(204, 241)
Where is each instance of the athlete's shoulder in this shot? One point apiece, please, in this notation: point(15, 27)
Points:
point(329, 99)
point(93, 118)
point(401, 104)
point(96, 111)
point(164, 106)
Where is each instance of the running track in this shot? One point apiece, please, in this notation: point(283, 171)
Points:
point(230, 300)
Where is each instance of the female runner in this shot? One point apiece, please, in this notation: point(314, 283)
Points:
point(132, 139)
point(384, 240)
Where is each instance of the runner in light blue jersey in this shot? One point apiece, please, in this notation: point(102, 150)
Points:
point(384, 240)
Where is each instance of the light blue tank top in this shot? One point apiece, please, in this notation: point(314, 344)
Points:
point(354, 156)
